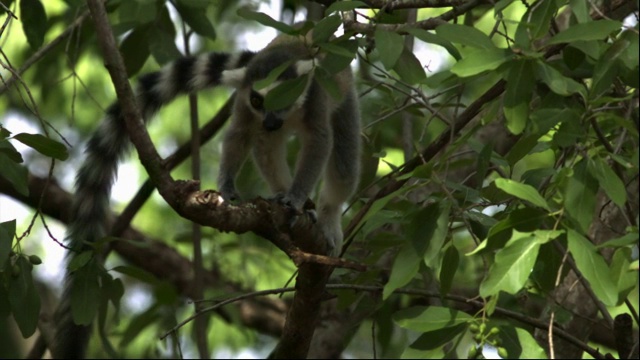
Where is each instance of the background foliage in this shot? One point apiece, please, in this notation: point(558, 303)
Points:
point(499, 192)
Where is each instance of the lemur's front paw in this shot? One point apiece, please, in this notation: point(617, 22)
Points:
point(297, 207)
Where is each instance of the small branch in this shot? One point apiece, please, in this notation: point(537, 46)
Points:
point(137, 132)
point(428, 24)
point(223, 303)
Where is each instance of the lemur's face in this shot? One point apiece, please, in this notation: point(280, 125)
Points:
point(271, 120)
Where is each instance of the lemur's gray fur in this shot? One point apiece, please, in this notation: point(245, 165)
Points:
point(329, 133)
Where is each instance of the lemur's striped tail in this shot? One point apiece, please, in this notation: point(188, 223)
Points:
point(104, 150)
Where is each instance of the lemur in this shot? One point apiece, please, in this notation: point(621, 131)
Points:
point(328, 129)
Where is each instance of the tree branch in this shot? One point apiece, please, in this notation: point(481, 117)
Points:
point(153, 256)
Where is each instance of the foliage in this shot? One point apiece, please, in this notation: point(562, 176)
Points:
point(519, 168)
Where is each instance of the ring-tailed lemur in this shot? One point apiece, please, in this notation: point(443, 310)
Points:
point(328, 129)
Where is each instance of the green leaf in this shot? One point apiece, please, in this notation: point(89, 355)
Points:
point(79, 260)
point(137, 12)
point(405, 267)
point(570, 131)
point(431, 233)
point(432, 342)
point(139, 323)
point(328, 83)
point(23, 298)
point(422, 225)
point(7, 149)
point(325, 28)
point(7, 232)
point(5, 305)
point(137, 273)
point(544, 119)
point(197, 20)
point(541, 16)
point(163, 47)
point(522, 191)
point(557, 82)
point(344, 6)
point(34, 22)
point(135, 49)
point(625, 240)
point(593, 30)
point(482, 163)
point(545, 236)
point(390, 46)
point(429, 318)
point(545, 271)
point(520, 85)
point(44, 145)
point(339, 54)
point(525, 219)
point(450, 262)
point(430, 38)
point(465, 35)
point(522, 148)
point(593, 267)
point(630, 55)
point(107, 286)
point(115, 292)
point(512, 266)
point(273, 76)
point(199, 4)
point(608, 66)
point(609, 181)
point(624, 279)
point(580, 196)
point(580, 10)
point(286, 93)
point(340, 49)
point(479, 61)
point(379, 205)
point(15, 174)
point(520, 344)
point(409, 68)
point(85, 293)
point(265, 20)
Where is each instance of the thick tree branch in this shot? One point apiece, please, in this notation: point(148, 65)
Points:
point(154, 256)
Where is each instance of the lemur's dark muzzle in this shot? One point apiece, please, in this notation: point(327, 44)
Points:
point(271, 122)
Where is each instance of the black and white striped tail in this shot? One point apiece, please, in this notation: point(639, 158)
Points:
point(106, 147)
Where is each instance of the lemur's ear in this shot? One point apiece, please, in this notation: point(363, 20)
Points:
point(304, 67)
point(233, 78)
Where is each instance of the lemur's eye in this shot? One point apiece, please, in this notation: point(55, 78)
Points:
point(256, 100)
